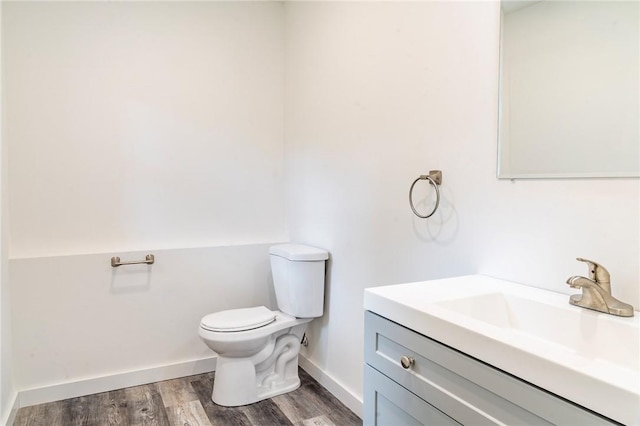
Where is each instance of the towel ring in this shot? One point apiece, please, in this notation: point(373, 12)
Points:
point(435, 178)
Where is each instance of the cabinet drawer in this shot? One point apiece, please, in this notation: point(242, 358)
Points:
point(460, 386)
point(389, 404)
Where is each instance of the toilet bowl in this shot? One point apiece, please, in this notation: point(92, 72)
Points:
point(257, 347)
point(256, 363)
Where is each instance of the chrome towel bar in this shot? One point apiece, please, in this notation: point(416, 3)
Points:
point(149, 259)
point(435, 178)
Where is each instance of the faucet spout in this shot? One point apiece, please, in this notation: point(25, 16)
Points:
point(592, 295)
point(578, 281)
point(595, 297)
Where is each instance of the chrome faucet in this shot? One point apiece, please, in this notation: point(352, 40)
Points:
point(596, 291)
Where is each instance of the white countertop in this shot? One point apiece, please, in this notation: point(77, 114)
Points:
point(587, 357)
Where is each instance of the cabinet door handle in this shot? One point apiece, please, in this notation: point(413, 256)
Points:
point(407, 362)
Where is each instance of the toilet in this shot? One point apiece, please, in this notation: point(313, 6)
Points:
point(258, 348)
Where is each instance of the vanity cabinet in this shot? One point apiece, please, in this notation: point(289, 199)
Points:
point(441, 385)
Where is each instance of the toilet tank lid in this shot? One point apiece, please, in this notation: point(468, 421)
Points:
point(299, 252)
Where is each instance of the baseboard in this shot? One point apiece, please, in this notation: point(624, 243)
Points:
point(114, 381)
point(347, 397)
point(11, 416)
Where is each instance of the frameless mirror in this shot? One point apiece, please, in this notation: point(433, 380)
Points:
point(569, 92)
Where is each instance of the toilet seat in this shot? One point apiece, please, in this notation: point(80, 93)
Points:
point(238, 319)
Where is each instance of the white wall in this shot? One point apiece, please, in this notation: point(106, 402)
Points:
point(77, 318)
point(136, 125)
point(379, 93)
point(135, 128)
point(7, 387)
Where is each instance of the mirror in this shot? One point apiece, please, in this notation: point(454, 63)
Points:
point(569, 92)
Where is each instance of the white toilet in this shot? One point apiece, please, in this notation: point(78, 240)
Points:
point(258, 348)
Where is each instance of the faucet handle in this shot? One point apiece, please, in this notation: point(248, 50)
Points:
point(597, 272)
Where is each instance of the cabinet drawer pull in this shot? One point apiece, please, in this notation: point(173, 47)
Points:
point(407, 362)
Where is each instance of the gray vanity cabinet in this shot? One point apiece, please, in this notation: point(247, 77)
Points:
point(442, 386)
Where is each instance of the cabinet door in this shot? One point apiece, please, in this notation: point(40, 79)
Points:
point(388, 404)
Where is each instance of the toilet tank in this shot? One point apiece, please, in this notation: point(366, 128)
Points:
point(298, 278)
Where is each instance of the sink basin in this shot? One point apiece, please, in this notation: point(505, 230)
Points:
point(593, 336)
point(587, 357)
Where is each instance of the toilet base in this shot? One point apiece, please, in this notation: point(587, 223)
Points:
point(262, 393)
point(273, 371)
point(287, 386)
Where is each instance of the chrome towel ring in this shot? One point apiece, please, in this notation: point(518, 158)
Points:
point(435, 178)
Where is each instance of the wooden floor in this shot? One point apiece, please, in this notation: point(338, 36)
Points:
point(187, 402)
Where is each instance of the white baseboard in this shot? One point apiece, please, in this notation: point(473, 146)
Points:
point(348, 398)
point(114, 381)
point(11, 416)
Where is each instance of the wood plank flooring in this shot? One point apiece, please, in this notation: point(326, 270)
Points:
point(187, 402)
